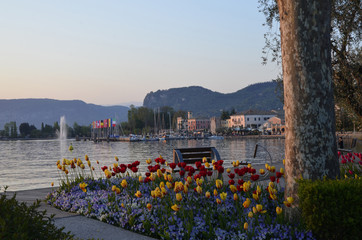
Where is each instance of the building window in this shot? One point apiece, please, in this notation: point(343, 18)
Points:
point(259, 119)
point(254, 119)
point(247, 119)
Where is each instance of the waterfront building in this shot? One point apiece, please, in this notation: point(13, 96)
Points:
point(273, 126)
point(249, 119)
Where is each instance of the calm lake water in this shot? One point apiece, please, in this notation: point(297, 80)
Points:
point(31, 164)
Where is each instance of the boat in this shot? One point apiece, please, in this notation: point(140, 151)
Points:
point(216, 137)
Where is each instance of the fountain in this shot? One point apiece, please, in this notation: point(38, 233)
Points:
point(63, 129)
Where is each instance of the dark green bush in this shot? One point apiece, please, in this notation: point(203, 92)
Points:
point(19, 221)
point(332, 209)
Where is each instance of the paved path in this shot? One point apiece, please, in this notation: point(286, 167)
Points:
point(82, 227)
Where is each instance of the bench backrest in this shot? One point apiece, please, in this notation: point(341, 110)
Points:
point(192, 155)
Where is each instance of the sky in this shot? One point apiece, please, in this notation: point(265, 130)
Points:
point(115, 52)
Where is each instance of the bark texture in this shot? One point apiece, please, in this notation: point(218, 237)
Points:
point(310, 146)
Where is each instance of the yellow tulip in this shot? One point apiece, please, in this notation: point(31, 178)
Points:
point(228, 170)
point(66, 171)
point(89, 164)
point(189, 179)
point(267, 166)
point(162, 184)
point(271, 185)
point(118, 190)
point(122, 205)
point(175, 207)
point(178, 196)
point(82, 166)
point(233, 188)
point(199, 181)
point(223, 196)
point(159, 173)
point(290, 199)
point(218, 201)
point(237, 163)
point(149, 206)
point(169, 178)
point(282, 170)
point(138, 194)
point(114, 188)
point(254, 210)
point(256, 197)
point(246, 203)
point(198, 189)
point(152, 177)
point(124, 183)
point(115, 165)
point(207, 194)
point(258, 190)
point(169, 185)
point(164, 191)
point(250, 214)
point(215, 192)
point(283, 161)
point(246, 186)
point(149, 161)
point(259, 208)
point(249, 165)
point(235, 197)
point(71, 147)
point(234, 164)
point(204, 159)
point(140, 179)
point(207, 165)
point(273, 196)
point(83, 186)
point(246, 225)
point(116, 158)
point(218, 183)
point(261, 171)
point(186, 189)
point(52, 184)
point(279, 210)
point(272, 169)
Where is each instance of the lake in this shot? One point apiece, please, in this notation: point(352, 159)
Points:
point(31, 164)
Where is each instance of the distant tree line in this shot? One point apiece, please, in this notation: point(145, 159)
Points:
point(46, 131)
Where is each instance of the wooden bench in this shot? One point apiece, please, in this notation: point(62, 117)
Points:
point(192, 155)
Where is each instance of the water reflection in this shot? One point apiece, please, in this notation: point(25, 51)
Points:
point(32, 164)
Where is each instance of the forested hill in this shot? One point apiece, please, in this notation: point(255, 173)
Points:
point(204, 102)
point(49, 111)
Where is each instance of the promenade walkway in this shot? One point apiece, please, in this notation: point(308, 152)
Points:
point(82, 227)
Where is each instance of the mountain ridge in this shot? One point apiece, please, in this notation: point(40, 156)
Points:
point(205, 102)
point(36, 111)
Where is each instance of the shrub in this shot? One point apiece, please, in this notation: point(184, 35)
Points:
point(332, 209)
point(19, 221)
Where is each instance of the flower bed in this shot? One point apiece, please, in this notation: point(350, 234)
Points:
point(191, 203)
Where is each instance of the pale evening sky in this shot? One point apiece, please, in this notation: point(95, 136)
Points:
point(112, 52)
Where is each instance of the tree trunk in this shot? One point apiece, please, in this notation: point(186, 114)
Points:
point(310, 146)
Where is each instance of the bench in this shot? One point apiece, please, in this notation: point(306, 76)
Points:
point(193, 155)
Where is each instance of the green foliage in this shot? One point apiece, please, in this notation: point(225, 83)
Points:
point(332, 209)
point(19, 221)
point(345, 45)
